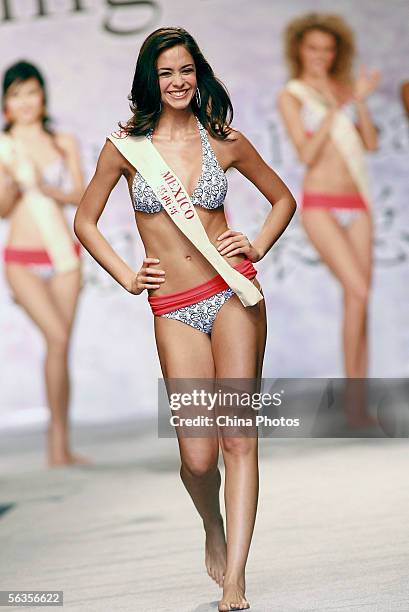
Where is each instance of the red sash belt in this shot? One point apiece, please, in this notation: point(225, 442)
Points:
point(166, 303)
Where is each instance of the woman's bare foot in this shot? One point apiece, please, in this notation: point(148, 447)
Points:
point(361, 421)
point(215, 550)
point(233, 597)
point(62, 459)
point(78, 459)
point(59, 453)
point(57, 460)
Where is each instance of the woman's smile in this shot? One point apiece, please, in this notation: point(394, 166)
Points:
point(178, 95)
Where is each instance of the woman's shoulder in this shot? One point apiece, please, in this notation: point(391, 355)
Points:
point(292, 89)
point(234, 138)
point(237, 141)
point(5, 139)
point(66, 141)
point(6, 146)
point(111, 158)
point(233, 134)
point(292, 85)
point(290, 94)
point(231, 137)
point(230, 148)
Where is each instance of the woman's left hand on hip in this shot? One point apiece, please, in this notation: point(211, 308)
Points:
point(232, 243)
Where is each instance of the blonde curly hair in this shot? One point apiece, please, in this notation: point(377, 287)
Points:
point(325, 22)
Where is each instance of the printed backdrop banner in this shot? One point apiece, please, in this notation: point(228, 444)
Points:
point(87, 50)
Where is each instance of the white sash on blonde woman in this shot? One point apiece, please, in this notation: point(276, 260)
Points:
point(143, 155)
point(343, 133)
point(43, 209)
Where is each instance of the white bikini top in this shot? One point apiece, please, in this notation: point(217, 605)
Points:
point(312, 121)
point(310, 117)
point(56, 174)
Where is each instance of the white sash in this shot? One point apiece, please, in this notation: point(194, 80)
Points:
point(143, 155)
point(44, 210)
point(343, 133)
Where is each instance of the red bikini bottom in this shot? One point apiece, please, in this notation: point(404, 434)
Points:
point(163, 304)
point(311, 199)
point(26, 257)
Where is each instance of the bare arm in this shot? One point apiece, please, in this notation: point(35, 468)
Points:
point(365, 126)
point(73, 160)
point(365, 84)
point(108, 171)
point(9, 192)
point(251, 165)
point(307, 147)
point(110, 168)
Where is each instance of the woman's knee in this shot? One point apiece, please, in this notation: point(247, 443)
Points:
point(199, 467)
point(58, 339)
point(238, 446)
point(357, 293)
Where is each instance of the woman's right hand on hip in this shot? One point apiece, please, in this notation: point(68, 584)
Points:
point(148, 277)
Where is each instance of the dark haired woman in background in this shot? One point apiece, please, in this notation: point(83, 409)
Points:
point(39, 173)
point(327, 118)
point(202, 329)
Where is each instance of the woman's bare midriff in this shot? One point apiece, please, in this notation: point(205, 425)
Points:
point(329, 173)
point(23, 231)
point(183, 264)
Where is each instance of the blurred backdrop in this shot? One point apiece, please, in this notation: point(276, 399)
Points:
point(87, 50)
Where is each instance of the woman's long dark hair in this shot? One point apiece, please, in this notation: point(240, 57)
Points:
point(216, 110)
point(18, 73)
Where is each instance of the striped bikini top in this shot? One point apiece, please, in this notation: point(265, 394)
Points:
point(209, 193)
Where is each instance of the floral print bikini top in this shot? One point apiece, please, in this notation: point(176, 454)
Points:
point(211, 188)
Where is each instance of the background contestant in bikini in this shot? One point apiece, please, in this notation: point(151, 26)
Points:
point(325, 112)
point(40, 172)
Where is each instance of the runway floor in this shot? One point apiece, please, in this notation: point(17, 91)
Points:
point(122, 535)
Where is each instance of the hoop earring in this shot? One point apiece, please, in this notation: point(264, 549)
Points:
point(160, 107)
point(198, 98)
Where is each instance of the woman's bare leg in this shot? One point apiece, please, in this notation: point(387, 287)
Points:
point(64, 291)
point(238, 343)
point(356, 392)
point(359, 233)
point(34, 295)
point(340, 254)
point(185, 352)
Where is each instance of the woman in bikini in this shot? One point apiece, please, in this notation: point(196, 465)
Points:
point(316, 106)
point(202, 329)
point(39, 173)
